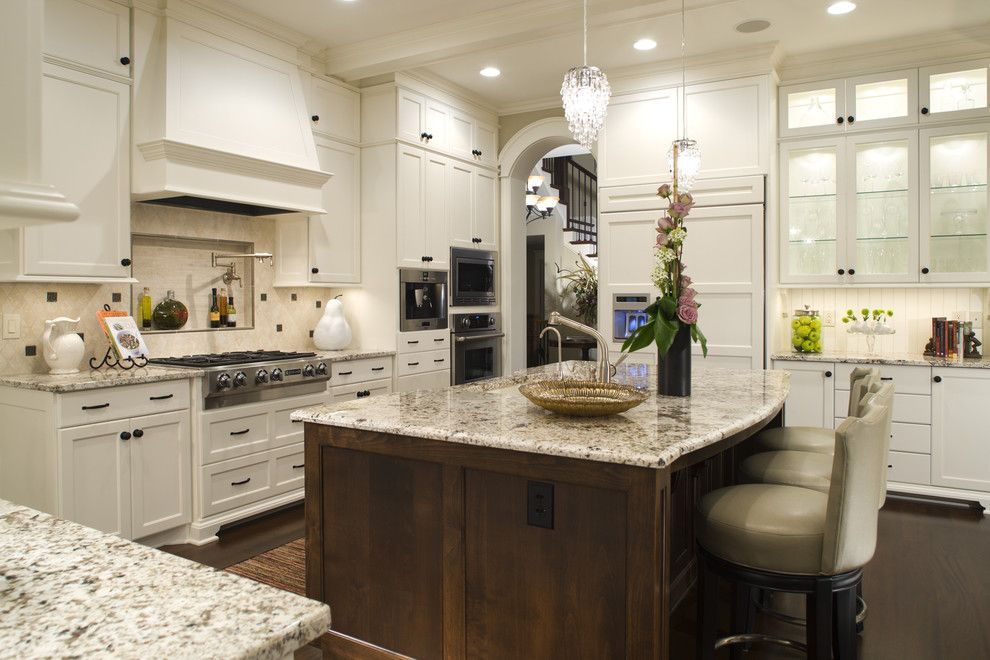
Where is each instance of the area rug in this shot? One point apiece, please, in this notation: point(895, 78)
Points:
point(284, 567)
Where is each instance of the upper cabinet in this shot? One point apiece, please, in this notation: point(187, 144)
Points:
point(93, 33)
point(335, 110)
point(954, 91)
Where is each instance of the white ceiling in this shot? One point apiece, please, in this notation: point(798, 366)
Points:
point(535, 42)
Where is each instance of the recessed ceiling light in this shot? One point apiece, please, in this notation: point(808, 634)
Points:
point(756, 25)
point(490, 72)
point(645, 44)
point(841, 7)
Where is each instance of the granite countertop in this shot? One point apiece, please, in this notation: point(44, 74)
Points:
point(908, 359)
point(495, 414)
point(71, 591)
point(353, 354)
point(88, 379)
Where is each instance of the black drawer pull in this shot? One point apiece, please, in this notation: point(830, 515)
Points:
point(102, 405)
point(440, 339)
point(440, 360)
point(160, 398)
point(886, 378)
point(378, 368)
point(412, 364)
point(240, 483)
point(296, 421)
point(413, 341)
point(240, 432)
point(296, 467)
point(344, 373)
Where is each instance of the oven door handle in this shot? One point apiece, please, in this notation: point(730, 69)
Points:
point(493, 335)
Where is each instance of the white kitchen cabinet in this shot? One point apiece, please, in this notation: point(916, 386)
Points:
point(92, 33)
point(91, 167)
point(472, 207)
point(730, 119)
point(960, 419)
point(436, 125)
point(357, 391)
point(434, 380)
point(639, 129)
point(954, 91)
point(812, 397)
point(95, 481)
point(421, 209)
point(325, 250)
point(423, 360)
point(461, 134)
point(812, 108)
point(410, 116)
point(335, 111)
point(161, 489)
point(436, 213)
point(486, 143)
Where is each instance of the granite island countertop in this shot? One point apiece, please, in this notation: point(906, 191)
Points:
point(495, 414)
point(71, 591)
point(349, 354)
point(907, 359)
point(89, 379)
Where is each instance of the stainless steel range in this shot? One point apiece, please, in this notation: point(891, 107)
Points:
point(251, 376)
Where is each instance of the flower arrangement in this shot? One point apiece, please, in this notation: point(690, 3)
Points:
point(869, 323)
point(677, 305)
point(583, 282)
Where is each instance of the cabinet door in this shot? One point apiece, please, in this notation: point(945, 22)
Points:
point(883, 99)
point(94, 33)
point(337, 110)
point(960, 444)
point(437, 120)
point(954, 91)
point(730, 120)
point(954, 201)
point(161, 488)
point(335, 237)
point(411, 116)
point(85, 155)
point(461, 206)
point(95, 477)
point(812, 240)
point(435, 211)
point(882, 207)
point(812, 108)
point(638, 131)
point(461, 134)
point(411, 230)
point(486, 143)
point(292, 261)
point(485, 214)
point(811, 401)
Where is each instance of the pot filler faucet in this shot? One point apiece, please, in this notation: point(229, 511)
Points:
point(604, 369)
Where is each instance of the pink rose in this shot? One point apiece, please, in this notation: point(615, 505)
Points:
point(688, 314)
point(664, 191)
point(687, 295)
point(665, 224)
point(661, 239)
point(686, 199)
point(680, 210)
point(685, 280)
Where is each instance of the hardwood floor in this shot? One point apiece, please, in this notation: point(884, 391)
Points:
point(926, 587)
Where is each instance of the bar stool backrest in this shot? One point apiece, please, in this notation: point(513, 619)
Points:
point(861, 379)
point(881, 395)
point(853, 498)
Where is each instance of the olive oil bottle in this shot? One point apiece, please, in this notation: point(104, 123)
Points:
point(214, 310)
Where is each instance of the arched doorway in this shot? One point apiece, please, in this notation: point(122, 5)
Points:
point(516, 161)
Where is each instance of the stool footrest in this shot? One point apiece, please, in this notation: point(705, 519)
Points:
point(751, 638)
point(799, 621)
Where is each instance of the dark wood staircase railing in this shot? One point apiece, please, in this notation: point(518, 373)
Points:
point(578, 189)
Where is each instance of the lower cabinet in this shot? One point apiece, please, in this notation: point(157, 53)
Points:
point(811, 401)
point(423, 360)
point(960, 419)
point(129, 477)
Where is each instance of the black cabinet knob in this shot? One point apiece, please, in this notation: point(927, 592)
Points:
point(138, 433)
point(125, 436)
point(423, 135)
point(841, 271)
point(125, 262)
point(925, 271)
point(937, 379)
point(840, 120)
point(852, 271)
point(850, 119)
point(828, 374)
point(125, 60)
point(924, 111)
point(314, 270)
point(429, 136)
point(315, 118)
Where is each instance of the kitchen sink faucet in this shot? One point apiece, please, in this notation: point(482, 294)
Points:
point(604, 369)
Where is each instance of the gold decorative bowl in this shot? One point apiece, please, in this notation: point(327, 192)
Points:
point(582, 398)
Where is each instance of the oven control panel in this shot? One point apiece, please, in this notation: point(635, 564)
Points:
point(483, 322)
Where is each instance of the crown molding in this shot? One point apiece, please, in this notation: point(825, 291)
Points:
point(450, 89)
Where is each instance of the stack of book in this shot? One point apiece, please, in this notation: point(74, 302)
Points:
point(947, 337)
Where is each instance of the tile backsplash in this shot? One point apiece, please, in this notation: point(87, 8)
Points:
point(283, 318)
point(913, 310)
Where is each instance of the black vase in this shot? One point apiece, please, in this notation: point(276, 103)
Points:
point(674, 369)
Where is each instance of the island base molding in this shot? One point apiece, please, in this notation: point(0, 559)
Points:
point(423, 548)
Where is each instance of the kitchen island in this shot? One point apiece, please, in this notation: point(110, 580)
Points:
point(467, 522)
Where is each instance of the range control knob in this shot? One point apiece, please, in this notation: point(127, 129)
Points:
point(240, 379)
point(308, 371)
point(466, 323)
point(276, 375)
point(223, 381)
point(261, 376)
point(321, 369)
point(491, 321)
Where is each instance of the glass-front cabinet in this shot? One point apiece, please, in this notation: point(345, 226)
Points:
point(954, 202)
point(836, 106)
point(955, 91)
point(812, 108)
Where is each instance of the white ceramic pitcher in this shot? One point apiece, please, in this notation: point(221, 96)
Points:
point(63, 347)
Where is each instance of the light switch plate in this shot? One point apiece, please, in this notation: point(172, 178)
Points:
point(11, 326)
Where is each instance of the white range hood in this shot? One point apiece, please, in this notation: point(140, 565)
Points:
point(219, 125)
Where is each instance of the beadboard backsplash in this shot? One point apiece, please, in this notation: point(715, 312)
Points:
point(913, 310)
point(283, 318)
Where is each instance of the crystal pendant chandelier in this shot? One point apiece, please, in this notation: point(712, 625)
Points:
point(585, 93)
point(684, 155)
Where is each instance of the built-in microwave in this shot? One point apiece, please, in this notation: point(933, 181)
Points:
point(472, 277)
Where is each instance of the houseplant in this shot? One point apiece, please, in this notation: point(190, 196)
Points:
point(673, 318)
point(583, 282)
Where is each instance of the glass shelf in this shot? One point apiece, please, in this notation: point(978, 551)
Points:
point(959, 235)
point(821, 196)
point(809, 241)
point(881, 238)
point(978, 187)
point(882, 192)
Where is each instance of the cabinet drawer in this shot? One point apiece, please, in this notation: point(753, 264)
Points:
point(227, 438)
point(908, 408)
point(357, 371)
point(288, 432)
point(914, 438)
point(358, 391)
point(290, 470)
point(426, 340)
point(92, 406)
point(909, 468)
point(420, 363)
point(906, 379)
point(236, 482)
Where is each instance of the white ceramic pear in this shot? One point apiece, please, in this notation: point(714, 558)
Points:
point(63, 347)
point(332, 333)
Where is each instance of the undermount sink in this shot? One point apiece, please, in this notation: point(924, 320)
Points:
point(583, 398)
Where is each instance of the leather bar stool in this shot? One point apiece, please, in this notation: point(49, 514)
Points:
point(810, 438)
point(785, 538)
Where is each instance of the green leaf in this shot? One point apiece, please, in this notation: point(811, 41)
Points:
point(668, 307)
point(640, 339)
point(666, 330)
point(699, 337)
point(652, 309)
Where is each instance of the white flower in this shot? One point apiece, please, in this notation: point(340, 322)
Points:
point(660, 277)
point(665, 255)
point(677, 235)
